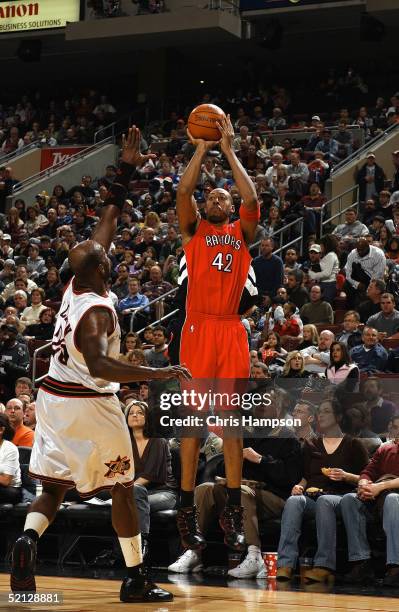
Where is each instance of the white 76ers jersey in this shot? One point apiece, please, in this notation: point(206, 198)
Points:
point(67, 362)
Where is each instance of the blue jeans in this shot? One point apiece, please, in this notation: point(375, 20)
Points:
point(325, 508)
point(355, 514)
point(329, 291)
point(148, 501)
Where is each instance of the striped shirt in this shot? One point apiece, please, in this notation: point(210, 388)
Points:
point(373, 264)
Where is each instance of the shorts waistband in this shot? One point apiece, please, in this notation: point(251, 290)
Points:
point(69, 389)
point(212, 317)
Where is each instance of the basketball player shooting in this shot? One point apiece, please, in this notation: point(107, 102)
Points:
point(214, 342)
point(81, 437)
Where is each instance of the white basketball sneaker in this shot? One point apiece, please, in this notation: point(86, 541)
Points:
point(190, 561)
point(251, 567)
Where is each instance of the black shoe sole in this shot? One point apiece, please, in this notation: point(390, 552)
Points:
point(21, 578)
point(146, 600)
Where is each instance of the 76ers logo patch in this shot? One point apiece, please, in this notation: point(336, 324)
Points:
point(120, 465)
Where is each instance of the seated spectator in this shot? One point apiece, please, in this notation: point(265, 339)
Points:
point(30, 416)
point(385, 322)
point(294, 378)
point(271, 461)
point(52, 286)
point(154, 485)
point(310, 336)
point(10, 472)
point(305, 412)
point(277, 122)
point(44, 329)
point(393, 224)
point(21, 272)
point(371, 355)
point(14, 357)
point(289, 326)
point(35, 264)
point(120, 287)
point(295, 289)
point(317, 311)
point(315, 200)
point(23, 436)
point(317, 358)
point(365, 263)
point(376, 226)
point(259, 370)
point(345, 457)
point(329, 146)
point(351, 335)
point(356, 424)
point(376, 492)
point(132, 302)
point(352, 229)
point(31, 314)
point(329, 267)
point(272, 351)
point(392, 251)
point(35, 221)
point(157, 357)
point(371, 305)
point(156, 287)
point(130, 342)
point(291, 260)
point(298, 174)
point(268, 268)
point(379, 410)
point(370, 179)
point(342, 373)
point(23, 386)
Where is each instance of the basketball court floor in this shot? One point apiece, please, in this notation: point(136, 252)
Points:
point(197, 593)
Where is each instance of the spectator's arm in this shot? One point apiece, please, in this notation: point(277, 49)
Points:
point(348, 271)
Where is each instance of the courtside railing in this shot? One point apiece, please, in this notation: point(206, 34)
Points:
point(36, 354)
point(339, 205)
point(159, 299)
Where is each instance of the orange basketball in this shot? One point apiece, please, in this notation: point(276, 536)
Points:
point(202, 122)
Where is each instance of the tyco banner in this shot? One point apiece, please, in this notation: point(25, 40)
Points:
point(20, 15)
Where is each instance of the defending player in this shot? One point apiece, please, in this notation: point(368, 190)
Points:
point(214, 343)
point(81, 437)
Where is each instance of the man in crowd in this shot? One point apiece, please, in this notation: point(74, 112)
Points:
point(371, 305)
point(156, 287)
point(14, 357)
point(23, 435)
point(21, 272)
point(295, 289)
point(376, 493)
point(379, 409)
point(317, 311)
point(385, 322)
point(371, 355)
point(268, 268)
point(157, 357)
point(317, 358)
point(350, 335)
point(305, 412)
point(120, 287)
point(365, 263)
point(131, 302)
point(352, 229)
point(30, 416)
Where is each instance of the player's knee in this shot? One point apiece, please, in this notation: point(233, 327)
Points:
point(119, 491)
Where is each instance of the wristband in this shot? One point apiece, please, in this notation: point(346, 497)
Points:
point(124, 173)
point(116, 196)
point(250, 215)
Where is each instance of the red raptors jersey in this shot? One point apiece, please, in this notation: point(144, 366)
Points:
point(216, 263)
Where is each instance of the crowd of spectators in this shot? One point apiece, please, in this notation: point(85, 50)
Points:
point(327, 317)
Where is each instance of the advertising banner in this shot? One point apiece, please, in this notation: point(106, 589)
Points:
point(258, 5)
point(28, 15)
point(56, 155)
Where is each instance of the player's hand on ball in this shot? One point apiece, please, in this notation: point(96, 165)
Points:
point(131, 153)
point(226, 129)
point(206, 144)
point(179, 372)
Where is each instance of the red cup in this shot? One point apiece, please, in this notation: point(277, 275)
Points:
point(270, 559)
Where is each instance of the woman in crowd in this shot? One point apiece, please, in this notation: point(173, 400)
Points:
point(392, 251)
point(14, 224)
point(272, 352)
point(294, 379)
point(10, 472)
point(310, 336)
point(31, 314)
point(342, 373)
point(329, 264)
point(152, 220)
point(385, 237)
point(332, 463)
point(43, 330)
point(130, 342)
point(35, 220)
point(154, 487)
point(52, 285)
point(273, 222)
point(60, 193)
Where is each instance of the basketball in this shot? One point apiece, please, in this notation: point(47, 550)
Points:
point(202, 122)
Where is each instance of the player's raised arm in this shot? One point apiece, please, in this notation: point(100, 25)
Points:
point(249, 214)
point(92, 340)
point(131, 159)
point(186, 206)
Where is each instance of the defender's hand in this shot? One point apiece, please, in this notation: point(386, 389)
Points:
point(131, 153)
point(179, 372)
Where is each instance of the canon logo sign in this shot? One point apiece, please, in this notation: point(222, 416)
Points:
point(20, 10)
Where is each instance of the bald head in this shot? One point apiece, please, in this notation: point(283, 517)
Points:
point(88, 260)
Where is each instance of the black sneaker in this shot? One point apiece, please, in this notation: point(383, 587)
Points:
point(187, 524)
point(142, 590)
point(361, 573)
point(391, 578)
point(23, 565)
point(232, 524)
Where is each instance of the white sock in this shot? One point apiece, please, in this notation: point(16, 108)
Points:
point(37, 521)
point(131, 549)
point(253, 551)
